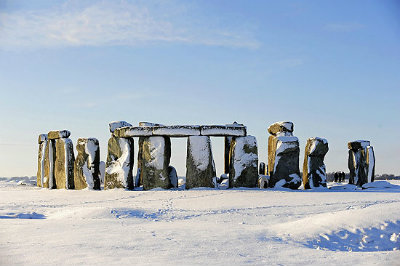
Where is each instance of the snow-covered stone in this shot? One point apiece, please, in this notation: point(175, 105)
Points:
point(49, 160)
point(173, 176)
point(176, 131)
point(129, 132)
point(224, 184)
point(358, 144)
point(361, 162)
point(314, 170)
point(119, 163)
point(42, 138)
point(64, 163)
point(283, 158)
point(156, 154)
point(281, 128)
point(243, 162)
point(263, 181)
point(87, 164)
point(220, 130)
point(58, 134)
point(200, 167)
point(102, 169)
point(118, 124)
point(149, 124)
point(41, 155)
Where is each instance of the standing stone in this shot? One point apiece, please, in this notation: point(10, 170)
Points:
point(227, 151)
point(244, 162)
point(283, 156)
point(156, 154)
point(314, 170)
point(119, 165)
point(200, 167)
point(118, 124)
point(261, 169)
point(64, 163)
point(41, 155)
point(87, 164)
point(49, 160)
point(361, 171)
point(173, 176)
point(371, 164)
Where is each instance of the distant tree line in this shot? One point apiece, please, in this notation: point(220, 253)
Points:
point(330, 177)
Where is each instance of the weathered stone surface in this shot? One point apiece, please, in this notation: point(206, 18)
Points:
point(119, 165)
point(42, 138)
point(244, 162)
point(149, 124)
point(361, 162)
point(49, 161)
point(87, 164)
point(227, 130)
point(227, 152)
point(200, 167)
point(58, 134)
point(370, 164)
point(129, 132)
point(358, 144)
point(156, 154)
point(314, 170)
point(176, 131)
point(118, 124)
point(173, 176)
point(41, 156)
point(283, 161)
point(261, 169)
point(281, 128)
point(64, 164)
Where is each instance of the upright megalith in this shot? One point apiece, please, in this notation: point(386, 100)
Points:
point(120, 159)
point(156, 154)
point(59, 160)
point(243, 162)
point(314, 170)
point(361, 162)
point(283, 156)
point(42, 141)
point(87, 164)
point(200, 167)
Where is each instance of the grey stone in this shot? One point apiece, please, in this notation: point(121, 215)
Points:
point(119, 165)
point(358, 144)
point(243, 162)
point(281, 128)
point(200, 167)
point(314, 170)
point(41, 159)
point(173, 176)
point(118, 124)
point(261, 169)
point(156, 154)
point(58, 134)
point(361, 162)
point(370, 164)
point(129, 132)
point(64, 163)
point(87, 164)
point(283, 161)
point(49, 161)
point(227, 153)
point(227, 130)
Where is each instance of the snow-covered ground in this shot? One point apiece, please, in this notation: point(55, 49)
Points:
point(339, 226)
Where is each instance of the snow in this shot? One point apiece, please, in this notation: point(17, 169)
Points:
point(118, 124)
point(176, 131)
point(198, 227)
point(121, 165)
point(242, 159)
point(201, 151)
point(216, 130)
point(371, 165)
point(157, 148)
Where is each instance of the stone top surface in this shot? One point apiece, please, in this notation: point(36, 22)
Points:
point(358, 144)
point(181, 131)
point(279, 127)
point(316, 146)
point(58, 134)
point(117, 124)
point(149, 124)
point(42, 138)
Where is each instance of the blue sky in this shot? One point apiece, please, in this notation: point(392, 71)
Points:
point(331, 67)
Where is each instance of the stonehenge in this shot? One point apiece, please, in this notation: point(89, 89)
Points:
point(361, 162)
point(58, 167)
point(283, 156)
point(314, 170)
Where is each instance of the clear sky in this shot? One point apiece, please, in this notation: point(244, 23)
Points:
point(331, 67)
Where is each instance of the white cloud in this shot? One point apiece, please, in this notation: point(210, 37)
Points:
point(114, 23)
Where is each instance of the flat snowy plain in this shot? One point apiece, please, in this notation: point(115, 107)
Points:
point(337, 226)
